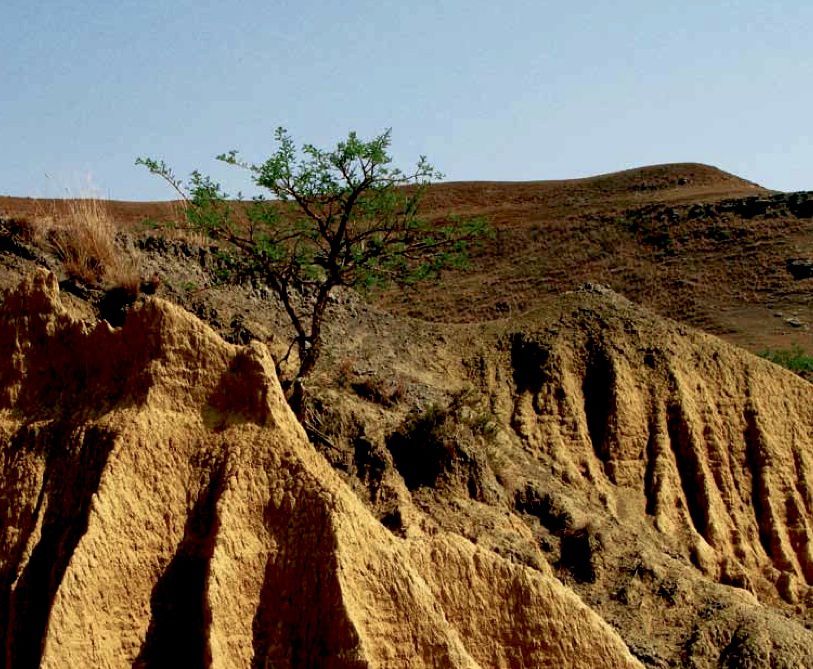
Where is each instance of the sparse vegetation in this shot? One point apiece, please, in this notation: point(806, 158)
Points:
point(384, 391)
point(345, 372)
point(531, 464)
point(330, 421)
point(795, 359)
point(84, 240)
point(81, 234)
point(440, 441)
point(462, 412)
point(340, 217)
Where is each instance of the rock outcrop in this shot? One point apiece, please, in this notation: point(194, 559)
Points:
point(663, 475)
point(667, 475)
point(162, 507)
point(711, 443)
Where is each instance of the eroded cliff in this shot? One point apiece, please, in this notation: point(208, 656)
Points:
point(162, 507)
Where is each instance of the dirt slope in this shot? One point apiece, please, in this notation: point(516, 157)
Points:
point(690, 241)
point(709, 444)
point(163, 506)
point(662, 474)
point(160, 493)
point(578, 482)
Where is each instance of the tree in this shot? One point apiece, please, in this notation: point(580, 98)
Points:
point(340, 217)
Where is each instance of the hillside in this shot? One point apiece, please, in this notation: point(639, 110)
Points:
point(579, 488)
point(694, 243)
point(690, 241)
point(164, 508)
point(567, 479)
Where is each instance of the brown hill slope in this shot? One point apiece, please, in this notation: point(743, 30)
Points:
point(692, 242)
point(585, 450)
point(533, 481)
point(664, 475)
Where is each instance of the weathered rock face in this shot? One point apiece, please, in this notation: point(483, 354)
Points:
point(661, 474)
point(162, 507)
point(714, 446)
point(667, 478)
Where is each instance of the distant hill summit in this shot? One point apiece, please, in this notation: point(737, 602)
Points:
point(673, 181)
point(670, 174)
point(674, 174)
point(690, 241)
point(685, 178)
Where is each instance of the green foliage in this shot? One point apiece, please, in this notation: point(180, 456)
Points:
point(463, 417)
point(794, 359)
point(446, 441)
point(338, 217)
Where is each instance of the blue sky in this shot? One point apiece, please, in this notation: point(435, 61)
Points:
point(506, 91)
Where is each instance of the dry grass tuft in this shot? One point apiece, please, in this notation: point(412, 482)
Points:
point(82, 234)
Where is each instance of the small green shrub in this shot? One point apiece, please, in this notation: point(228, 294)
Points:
point(794, 359)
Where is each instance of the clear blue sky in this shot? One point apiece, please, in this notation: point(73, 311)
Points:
point(510, 90)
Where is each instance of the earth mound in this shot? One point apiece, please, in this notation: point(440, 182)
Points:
point(660, 473)
point(689, 241)
point(164, 508)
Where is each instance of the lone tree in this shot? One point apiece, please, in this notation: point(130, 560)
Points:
point(340, 217)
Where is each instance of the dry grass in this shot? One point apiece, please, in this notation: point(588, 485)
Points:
point(384, 391)
point(173, 225)
point(82, 234)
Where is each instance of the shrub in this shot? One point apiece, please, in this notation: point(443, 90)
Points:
point(386, 392)
point(345, 372)
point(336, 217)
point(442, 441)
point(794, 359)
point(82, 235)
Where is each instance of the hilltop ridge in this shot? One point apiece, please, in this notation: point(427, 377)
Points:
point(691, 178)
point(673, 180)
point(688, 240)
